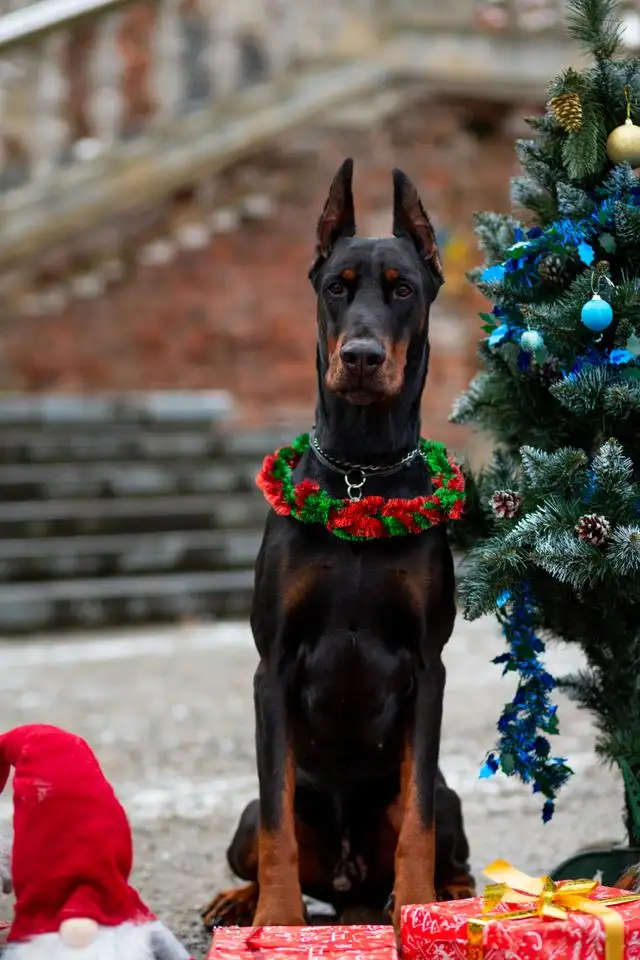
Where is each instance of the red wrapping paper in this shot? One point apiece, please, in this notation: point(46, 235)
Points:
point(438, 931)
point(304, 943)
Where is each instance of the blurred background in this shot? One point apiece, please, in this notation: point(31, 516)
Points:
point(162, 166)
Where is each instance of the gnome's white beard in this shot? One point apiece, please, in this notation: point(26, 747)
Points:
point(130, 941)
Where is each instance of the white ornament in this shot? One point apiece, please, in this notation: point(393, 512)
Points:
point(531, 341)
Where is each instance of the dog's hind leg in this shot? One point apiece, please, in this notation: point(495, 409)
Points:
point(242, 854)
point(454, 880)
point(237, 906)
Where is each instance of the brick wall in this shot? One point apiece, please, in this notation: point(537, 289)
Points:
point(239, 313)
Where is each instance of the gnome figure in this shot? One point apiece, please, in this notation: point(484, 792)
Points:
point(71, 858)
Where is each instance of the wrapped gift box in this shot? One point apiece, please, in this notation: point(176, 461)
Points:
point(441, 931)
point(304, 943)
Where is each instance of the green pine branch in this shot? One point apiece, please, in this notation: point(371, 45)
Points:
point(595, 25)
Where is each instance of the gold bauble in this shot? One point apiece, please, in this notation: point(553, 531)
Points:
point(567, 109)
point(623, 144)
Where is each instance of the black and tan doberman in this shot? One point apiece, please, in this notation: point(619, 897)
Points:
point(353, 809)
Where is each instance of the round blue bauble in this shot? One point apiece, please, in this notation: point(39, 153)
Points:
point(596, 314)
point(531, 341)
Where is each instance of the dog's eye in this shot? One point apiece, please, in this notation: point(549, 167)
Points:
point(402, 290)
point(336, 288)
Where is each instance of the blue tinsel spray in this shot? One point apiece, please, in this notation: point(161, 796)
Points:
point(523, 749)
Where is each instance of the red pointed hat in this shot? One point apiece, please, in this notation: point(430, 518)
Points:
point(72, 847)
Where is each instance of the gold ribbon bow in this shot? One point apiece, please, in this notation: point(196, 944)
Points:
point(551, 901)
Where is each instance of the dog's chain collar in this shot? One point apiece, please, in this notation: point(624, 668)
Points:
point(356, 474)
point(357, 517)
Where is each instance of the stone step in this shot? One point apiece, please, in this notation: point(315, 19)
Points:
point(160, 407)
point(121, 441)
point(127, 554)
point(66, 604)
point(75, 517)
point(126, 478)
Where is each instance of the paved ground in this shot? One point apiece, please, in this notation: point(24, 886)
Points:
point(169, 713)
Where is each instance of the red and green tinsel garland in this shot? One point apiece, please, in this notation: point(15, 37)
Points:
point(370, 518)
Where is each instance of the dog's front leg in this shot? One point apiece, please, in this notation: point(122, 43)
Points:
point(280, 896)
point(416, 847)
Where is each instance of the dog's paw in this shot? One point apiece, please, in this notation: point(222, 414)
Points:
point(461, 888)
point(281, 918)
point(232, 908)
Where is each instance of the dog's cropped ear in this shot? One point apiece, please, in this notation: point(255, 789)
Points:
point(410, 219)
point(338, 218)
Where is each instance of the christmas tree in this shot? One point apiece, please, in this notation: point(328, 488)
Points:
point(553, 523)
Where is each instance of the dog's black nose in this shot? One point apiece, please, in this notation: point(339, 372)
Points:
point(362, 356)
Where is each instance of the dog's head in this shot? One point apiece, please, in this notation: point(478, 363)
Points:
point(373, 294)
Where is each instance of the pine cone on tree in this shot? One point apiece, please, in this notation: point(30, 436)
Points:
point(506, 504)
point(627, 222)
point(551, 268)
point(567, 109)
point(549, 371)
point(593, 529)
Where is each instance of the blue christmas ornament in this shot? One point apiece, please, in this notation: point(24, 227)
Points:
point(596, 314)
point(531, 341)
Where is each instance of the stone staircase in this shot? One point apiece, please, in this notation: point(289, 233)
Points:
point(117, 510)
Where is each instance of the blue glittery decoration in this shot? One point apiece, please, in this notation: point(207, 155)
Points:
point(499, 335)
point(488, 768)
point(548, 810)
point(524, 360)
point(590, 358)
point(523, 749)
point(620, 357)
point(503, 599)
point(525, 254)
point(590, 488)
point(586, 254)
point(493, 274)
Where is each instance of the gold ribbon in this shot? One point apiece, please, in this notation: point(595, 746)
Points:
point(551, 901)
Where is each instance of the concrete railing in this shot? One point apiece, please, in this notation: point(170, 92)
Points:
point(108, 105)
